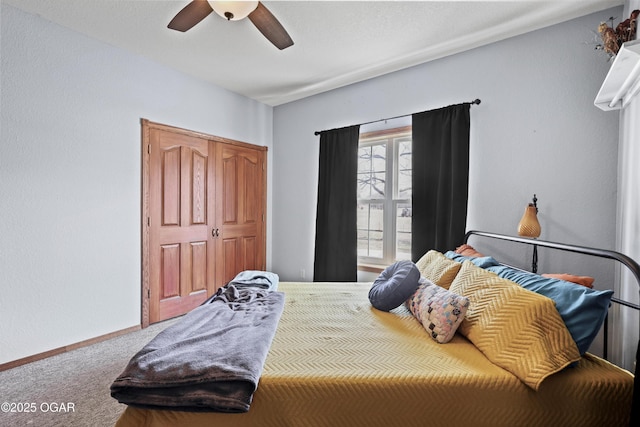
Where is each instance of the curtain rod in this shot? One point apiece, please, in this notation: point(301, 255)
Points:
point(318, 132)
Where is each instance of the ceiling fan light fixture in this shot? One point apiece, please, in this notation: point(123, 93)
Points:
point(233, 10)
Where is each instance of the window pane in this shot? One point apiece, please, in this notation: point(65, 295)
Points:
point(371, 186)
point(364, 159)
point(370, 230)
point(404, 154)
point(363, 229)
point(371, 172)
point(364, 185)
point(377, 185)
point(403, 231)
point(363, 242)
point(404, 169)
point(404, 184)
point(379, 157)
point(375, 244)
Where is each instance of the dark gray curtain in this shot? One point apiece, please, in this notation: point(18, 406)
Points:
point(336, 251)
point(440, 181)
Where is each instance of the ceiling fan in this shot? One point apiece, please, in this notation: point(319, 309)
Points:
point(264, 20)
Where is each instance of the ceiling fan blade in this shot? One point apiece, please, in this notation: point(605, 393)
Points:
point(192, 13)
point(270, 27)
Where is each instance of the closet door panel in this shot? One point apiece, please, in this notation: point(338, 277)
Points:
point(181, 246)
point(240, 178)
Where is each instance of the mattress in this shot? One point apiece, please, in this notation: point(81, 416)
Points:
point(337, 361)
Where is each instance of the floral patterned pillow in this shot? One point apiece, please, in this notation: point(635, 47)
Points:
point(439, 310)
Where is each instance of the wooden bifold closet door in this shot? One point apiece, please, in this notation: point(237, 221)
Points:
point(203, 216)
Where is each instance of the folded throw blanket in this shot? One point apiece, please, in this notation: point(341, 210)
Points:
point(210, 360)
point(256, 278)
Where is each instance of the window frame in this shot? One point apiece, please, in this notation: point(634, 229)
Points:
point(392, 137)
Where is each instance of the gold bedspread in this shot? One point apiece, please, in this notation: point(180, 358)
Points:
point(336, 361)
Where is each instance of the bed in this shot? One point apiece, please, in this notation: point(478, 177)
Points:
point(335, 360)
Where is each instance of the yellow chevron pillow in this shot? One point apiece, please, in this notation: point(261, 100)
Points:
point(516, 329)
point(438, 268)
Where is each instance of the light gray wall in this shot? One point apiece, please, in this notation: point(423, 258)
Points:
point(629, 218)
point(628, 239)
point(70, 176)
point(536, 131)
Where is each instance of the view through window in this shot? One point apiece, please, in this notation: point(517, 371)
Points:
point(384, 196)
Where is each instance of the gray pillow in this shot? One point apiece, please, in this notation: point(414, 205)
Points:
point(394, 285)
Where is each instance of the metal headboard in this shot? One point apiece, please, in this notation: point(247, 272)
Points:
point(601, 253)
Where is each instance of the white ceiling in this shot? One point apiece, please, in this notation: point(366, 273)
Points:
point(336, 42)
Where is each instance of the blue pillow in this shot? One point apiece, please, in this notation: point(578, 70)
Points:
point(482, 262)
point(582, 309)
point(394, 285)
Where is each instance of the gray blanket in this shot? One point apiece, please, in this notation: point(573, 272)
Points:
point(210, 360)
point(256, 278)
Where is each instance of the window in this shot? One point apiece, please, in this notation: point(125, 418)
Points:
point(384, 196)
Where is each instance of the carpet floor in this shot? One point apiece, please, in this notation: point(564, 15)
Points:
point(71, 389)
